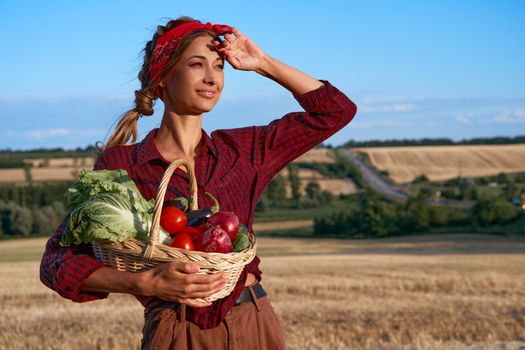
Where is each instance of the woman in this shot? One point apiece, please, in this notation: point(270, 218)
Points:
point(183, 67)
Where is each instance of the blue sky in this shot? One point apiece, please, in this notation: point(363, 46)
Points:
point(414, 68)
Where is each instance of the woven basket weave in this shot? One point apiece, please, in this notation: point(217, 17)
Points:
point(134, 255)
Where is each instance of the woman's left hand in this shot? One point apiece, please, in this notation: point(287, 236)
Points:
point(241, 52)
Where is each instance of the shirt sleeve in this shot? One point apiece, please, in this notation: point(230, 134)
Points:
point(327, 110)
point(63, 269)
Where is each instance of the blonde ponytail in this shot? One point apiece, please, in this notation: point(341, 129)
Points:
point(126, 129)
point(127, 126)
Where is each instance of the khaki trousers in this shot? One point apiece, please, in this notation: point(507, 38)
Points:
point(250, 326)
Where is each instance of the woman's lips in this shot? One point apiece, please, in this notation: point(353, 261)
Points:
point(206, 93)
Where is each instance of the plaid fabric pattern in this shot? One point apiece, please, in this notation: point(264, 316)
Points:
point(235, 165)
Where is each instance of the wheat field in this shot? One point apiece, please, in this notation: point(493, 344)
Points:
point(437, 163)
point(317, 155)
point(334, 186)
point(12, 175)
point(86, 162)
point(426, 292)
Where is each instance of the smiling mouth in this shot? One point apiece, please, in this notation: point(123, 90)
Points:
point(206, 93)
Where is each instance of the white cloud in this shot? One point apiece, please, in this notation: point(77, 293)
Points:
point(380, 98)
point(358, 124)
point(46, 133)
point(59, 133)
point(520, 113)
point(397, 107)
point(513, 117)
point(463, 118)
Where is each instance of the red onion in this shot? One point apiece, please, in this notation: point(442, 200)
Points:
point(215, 239)
point(228, 221)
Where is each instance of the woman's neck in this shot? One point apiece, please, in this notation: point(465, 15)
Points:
point(179, 136)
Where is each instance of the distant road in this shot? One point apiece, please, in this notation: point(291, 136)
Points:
point(374, 180)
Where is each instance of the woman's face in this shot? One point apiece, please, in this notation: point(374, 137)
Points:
point(195, 84)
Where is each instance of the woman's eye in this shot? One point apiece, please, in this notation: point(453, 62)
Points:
point(195, 64)
point(220, 66)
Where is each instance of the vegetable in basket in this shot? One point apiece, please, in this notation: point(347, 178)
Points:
point(172, 219)
point(183, 241)
point(228, 221)
point(195, 235)
point(242, 241)
point(199, 216)
point(216, 240)
point(107, 206)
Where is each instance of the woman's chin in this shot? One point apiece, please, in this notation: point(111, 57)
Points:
point(205, 108)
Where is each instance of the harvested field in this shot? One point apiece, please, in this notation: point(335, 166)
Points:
point(317, 155)
point(87, 162)
point(307, 174)
point(437, 163)
point(55, 174)
point(338, 186)
point(12, 175)
point(334, 186)
point(425, 292)
point(282, 225)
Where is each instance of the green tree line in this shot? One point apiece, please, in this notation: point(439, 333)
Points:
point(376, 217)
point(16, 220)
point(34, 195)
point(26, 210)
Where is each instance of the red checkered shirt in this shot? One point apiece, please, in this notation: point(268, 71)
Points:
point(235, 165)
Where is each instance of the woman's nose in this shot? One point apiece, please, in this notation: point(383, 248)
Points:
point(211, 76)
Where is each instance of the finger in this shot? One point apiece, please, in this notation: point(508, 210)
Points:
point(229, 38)
point(219, 42)
point(190, 289)
point(237, 32)
point(188, 268)
point(206, 279)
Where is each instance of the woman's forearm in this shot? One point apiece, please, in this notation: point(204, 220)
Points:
point(292, 79)
point(109, 280)
point(174, 281)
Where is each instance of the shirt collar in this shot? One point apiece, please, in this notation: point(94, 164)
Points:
point(146, 149)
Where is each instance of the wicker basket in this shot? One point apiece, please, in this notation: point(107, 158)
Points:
point(134, 255)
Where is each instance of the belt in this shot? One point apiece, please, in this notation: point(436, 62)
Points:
point(247, 296)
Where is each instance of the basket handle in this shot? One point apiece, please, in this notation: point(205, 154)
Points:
point(159, 201)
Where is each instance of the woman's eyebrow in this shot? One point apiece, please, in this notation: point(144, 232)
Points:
point(203, 57)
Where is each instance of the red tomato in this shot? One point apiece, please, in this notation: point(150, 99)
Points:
point(172, 219)
point(196, 235)
point(182, 240)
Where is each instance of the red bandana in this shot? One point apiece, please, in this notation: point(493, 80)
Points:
point(167, 43)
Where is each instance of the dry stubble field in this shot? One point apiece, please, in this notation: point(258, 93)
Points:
point(430, 292)
point(438, 163)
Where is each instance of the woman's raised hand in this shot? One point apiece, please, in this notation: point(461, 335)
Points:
point(180, 282)
point(240, 51)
